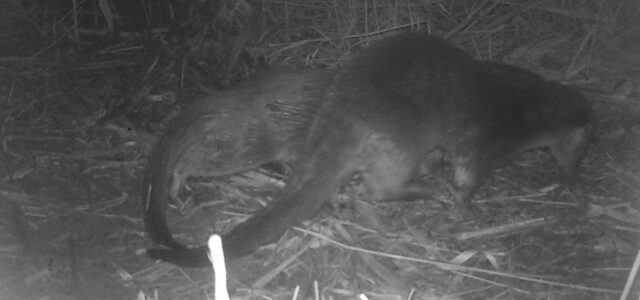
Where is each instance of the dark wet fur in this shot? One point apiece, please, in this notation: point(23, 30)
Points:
point(263, 120)
point(406, 96)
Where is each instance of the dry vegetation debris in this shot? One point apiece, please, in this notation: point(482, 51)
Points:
point(87, 85)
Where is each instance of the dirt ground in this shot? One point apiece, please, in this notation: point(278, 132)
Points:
point(70, 225)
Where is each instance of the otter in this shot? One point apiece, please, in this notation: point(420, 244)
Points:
point(404, 97)
point(263, 120)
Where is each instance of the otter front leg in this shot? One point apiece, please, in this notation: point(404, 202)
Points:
point(569, 149)
point(470, 168)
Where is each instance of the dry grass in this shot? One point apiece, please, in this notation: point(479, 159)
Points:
point(87, 85)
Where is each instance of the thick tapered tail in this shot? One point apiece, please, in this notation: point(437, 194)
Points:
point(158, 179)
point(312, 185)
point(185, 257)
point(155, 196)
point(266, 226)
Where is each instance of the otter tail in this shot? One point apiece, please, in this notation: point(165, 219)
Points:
point(267, 225)
point(158, 179)
point(185, 149)
point(315, 180)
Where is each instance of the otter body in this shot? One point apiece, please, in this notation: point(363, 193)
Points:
point(406, 96)
point(263, 120)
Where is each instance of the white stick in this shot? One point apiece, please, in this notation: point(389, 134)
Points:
point(216, 256)
point(632, 275)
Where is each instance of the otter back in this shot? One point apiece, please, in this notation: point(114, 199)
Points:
point(263, 120)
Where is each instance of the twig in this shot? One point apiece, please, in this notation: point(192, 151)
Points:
point(631, 278)
point(456, 268)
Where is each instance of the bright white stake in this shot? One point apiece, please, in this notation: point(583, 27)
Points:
point(216, 256)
